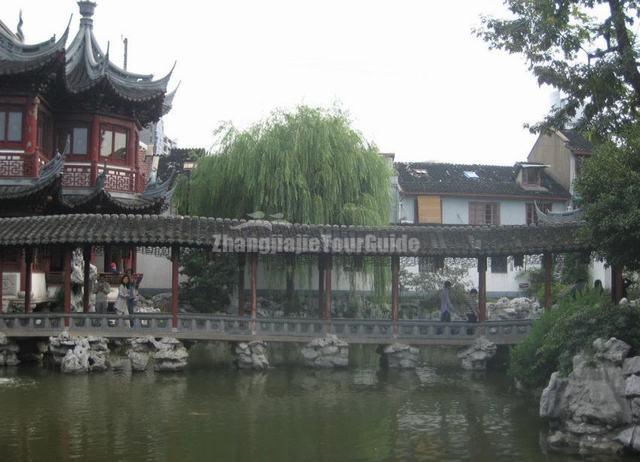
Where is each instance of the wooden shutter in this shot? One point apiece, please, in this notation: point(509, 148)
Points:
point(429, 209)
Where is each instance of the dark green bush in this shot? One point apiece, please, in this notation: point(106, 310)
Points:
point(561, 333)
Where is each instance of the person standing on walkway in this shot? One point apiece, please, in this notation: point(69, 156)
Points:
point(122, 302)
point(445, 303)
point(102, 289)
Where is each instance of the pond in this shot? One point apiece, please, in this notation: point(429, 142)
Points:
point(286, 414)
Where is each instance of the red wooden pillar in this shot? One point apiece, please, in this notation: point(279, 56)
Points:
point(328, 294)
point(395, 291)
point(66, 269)
point(31, 133)
point(242, 258)
point(482, 289)
point(94, 147)
point(107, 259)
point(1, 278)
point(175, 266)
point(86, 283)
point(617, 283)
point(548, 280)
point(254, 285)
point(321, 264)
point(28, 276)
point(134, 260)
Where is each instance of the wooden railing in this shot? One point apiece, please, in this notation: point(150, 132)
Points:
point(210, 327)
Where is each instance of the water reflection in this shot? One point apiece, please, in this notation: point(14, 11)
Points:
point(283, 415)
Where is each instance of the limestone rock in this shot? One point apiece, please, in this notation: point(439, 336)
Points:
point(632, 386)
point(139, 361)
point(76, 355)
point(326, 352)
point(76, 360)
point(8, 351)
point(171, 356)
point(400, 356)
point(596, 408)
point(631, 366)
point(251, 355)
point(475, 357)
point(613, 350)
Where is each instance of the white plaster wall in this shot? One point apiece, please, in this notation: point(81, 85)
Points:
point(455, 211)
point(558, 206)
point(597, 270)
point(156, 271)
point(513, 212)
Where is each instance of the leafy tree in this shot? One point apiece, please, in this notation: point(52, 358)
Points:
point(306, 166)
point(610, 189)
point(587, 49)
point(211, 280)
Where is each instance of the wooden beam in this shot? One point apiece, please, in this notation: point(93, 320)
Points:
point(66, 269)
point(134, 260)
point(254, 285)
point(86, 280)
point(28, 278)
point(107, 259)
point(548, 279)
point(175, 266)
point(321, 264)
point(328, 294)
point(617, 284)
point(1, 278)
point(395, 291)
point(242, 258)
point(482, 289)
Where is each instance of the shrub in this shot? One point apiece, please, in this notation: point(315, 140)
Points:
point(563, 332)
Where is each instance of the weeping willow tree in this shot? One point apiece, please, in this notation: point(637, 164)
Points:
point(309, 165)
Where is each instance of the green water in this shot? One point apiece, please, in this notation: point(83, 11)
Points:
point(286, 414)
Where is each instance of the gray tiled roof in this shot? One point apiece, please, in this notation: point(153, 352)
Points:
point(494, 180)
point(577, 142)
point(155, 230)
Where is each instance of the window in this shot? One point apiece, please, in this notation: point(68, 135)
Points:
point(10, 125)
point(113, 142)
point(498, 264)
point(45, 133)
point(531, 176)
point(471, 175)
point(532, 216)
point(484, 213)
point(73, 140)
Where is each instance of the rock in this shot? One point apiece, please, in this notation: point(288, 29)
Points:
point(399, 356)
point(476, 356)
point(76, 355)
point(326, 352)
point(630, 437)
point(631, 366)
point(251, 355)
point(632, 386)
point(591, 410)
point(139, 361)
point(171, 356)
point(613, 350)
point(551, 404)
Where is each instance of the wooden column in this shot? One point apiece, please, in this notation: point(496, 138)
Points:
point(175, 266)
point(86, 280)
point(395, 291)
point(328, 295)
point(134, 260)
point(1, 278)
point(482, 289)
point(66, 287)
point(107, 259)
point(321, 264)
point(31, 134)
point(94, 147)
point(242, 259)
point(617, 283)
point(28, 276)
point(547, 263)
point(254, 285)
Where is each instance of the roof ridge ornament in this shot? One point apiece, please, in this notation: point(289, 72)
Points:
point(19, 33)
point(87, 8)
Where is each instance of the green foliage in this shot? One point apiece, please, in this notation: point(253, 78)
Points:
point(430, 283)
point(572, 327)
point(610, 188)
point(211, 280)
point(309, 165)
point(586, 49)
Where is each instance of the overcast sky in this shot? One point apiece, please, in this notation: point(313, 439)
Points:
point(413, 77)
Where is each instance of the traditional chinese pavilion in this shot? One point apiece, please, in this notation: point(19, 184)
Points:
point(69, 133)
